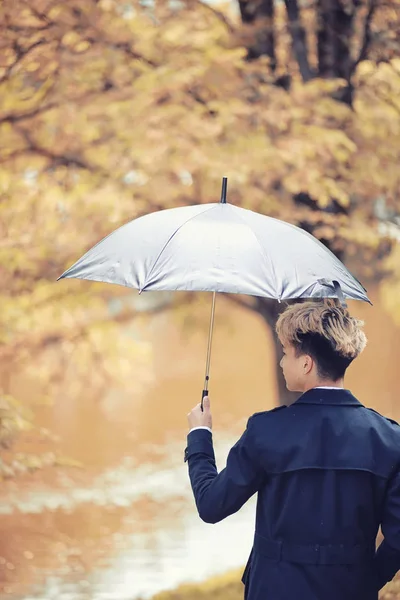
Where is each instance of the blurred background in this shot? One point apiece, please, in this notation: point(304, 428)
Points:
point(110, 109)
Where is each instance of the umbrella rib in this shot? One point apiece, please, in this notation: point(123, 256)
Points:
point(262, 250)
point(327, 250)
point(323, 247)
point(170, 238)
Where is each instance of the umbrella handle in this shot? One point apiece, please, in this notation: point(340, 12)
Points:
point(203, 395)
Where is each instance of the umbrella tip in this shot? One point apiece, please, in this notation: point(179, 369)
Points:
point(224, 188)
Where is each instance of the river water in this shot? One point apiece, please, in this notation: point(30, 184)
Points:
point(125, 526)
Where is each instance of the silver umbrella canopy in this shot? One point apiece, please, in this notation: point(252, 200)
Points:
point(218, 247)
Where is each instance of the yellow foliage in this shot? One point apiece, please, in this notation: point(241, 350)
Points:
point(14, 418)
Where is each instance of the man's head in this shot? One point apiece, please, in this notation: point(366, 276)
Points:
point(319, 339)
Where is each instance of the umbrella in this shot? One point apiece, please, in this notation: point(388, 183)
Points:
point(218, 247)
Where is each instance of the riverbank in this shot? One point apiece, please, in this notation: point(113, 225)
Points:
point(229, 587)
point(222, 587)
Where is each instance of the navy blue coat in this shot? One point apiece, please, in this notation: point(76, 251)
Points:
point(327, 473)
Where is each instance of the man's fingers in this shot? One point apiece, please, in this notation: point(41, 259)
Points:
point(196, 408)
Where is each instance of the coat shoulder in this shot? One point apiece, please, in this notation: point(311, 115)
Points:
point(383, 417)
point(264, 413)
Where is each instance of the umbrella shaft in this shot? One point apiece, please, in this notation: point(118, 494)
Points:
point(210, 333)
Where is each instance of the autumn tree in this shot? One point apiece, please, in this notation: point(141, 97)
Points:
point(109, 111)
point(328, 38)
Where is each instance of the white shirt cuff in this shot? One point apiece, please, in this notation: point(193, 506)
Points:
point(202, 427)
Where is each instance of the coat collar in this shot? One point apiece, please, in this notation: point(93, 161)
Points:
point(336, 397)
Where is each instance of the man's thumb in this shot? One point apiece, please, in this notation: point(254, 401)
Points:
point(206, 403)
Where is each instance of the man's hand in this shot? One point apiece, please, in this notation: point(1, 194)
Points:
point(197, 418)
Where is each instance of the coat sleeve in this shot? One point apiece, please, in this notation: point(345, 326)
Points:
point(218, 495)
point(387, 557)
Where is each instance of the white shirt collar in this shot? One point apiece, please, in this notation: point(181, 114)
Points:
point(327, 387)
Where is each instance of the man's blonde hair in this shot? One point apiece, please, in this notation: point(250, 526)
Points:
point(326, 331)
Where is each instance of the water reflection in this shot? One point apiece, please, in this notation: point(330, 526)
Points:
point(184, 550)
point(130, 534)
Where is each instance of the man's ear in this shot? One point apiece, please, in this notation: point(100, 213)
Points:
point(308, 363)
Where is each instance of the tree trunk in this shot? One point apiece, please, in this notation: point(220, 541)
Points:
point(269, 310)
point(299, 39)
point(260, 13)
point(325, 39)
point(334, 37)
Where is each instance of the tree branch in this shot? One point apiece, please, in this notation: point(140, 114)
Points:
point(13, 118)
point(56, 159)
point(299, 39)
point(21, 53)
point(44, 341)
point(220, 15)
point(367, 36)
point(37, 13)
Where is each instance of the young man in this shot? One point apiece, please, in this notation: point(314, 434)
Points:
point(326, 469)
